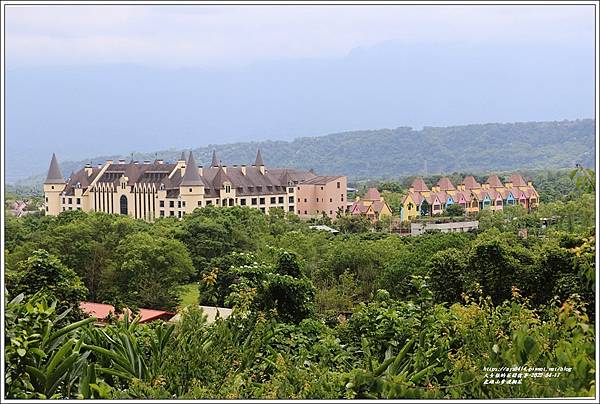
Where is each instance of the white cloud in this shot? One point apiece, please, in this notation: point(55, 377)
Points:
point(224, 35)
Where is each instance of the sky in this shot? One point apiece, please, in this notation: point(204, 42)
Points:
point(84, 81)
point(222, 36)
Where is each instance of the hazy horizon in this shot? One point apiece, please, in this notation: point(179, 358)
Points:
point(84, 81)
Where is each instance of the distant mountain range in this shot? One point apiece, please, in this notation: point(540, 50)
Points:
point(98, 110)
point(390, 153)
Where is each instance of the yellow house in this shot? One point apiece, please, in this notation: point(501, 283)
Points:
point(410, 206)
point(372, 205)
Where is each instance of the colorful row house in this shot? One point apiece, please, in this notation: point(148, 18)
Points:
point(473, 196)
point(372, 205)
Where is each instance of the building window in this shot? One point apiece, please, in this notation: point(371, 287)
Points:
point(331, 212)
point(338, 185)
point(161, 204)
point(65, 209)
point(70, 201)
point(171, 204)
point(291, 199)
point(190, 190)
point(179, 204)
point(162, 213)
point(199, 203)
point(262, 210)
point(317, 199)
point(290, 209)
point(342, 196)
point(63, 200)
point(305, 200)
point(78, 208)
point(305, 212)
point(262, 201)
point(52, 187)
point(46, 199)
point(273, 199)
point(208, 203)
point(46, 209)
point(179, 214)
point(298, 211)
point(291, 190)
point(243, 202)
point(70, 208)
point(281, 199)
point(254, 201)
point(330, 199)
point(123, 205)
point(321, 188)
point(171, 213)
point(78, 201)
point(227, 188)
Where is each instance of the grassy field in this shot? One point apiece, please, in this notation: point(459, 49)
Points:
point(189, 294)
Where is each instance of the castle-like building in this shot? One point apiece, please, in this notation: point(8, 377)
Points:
point(150, 190)
point(471, 195)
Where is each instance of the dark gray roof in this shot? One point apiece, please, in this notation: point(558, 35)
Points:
point(191, 176)
point(54, 175)
point(182, 158)
point(246, 180)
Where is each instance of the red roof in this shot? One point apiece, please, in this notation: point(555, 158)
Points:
point(517, 180)
point(494, 181)
point(470, 183)
point(372, 195)
point(445, 184)
point(419, 185)
point(102, 311)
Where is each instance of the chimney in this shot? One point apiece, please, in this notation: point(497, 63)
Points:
point(121, 161)
point(146, 161)
point(508, 185)
point(201, 171)
point(411, 189)
point(529, 184)
point(99, 165)
point(88, 169)
point(136, 162)
point(225, 169)
point(160, 161)
point(182, 169)
point(109, 161)
point(243, 167)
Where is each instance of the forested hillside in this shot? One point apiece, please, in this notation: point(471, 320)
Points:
point(362, 314)
point(389, 153)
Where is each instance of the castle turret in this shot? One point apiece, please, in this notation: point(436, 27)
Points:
point(192, 186)
point(53, 186)
point(259, 162)
point(215, 160)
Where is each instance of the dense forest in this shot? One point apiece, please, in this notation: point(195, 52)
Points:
point(390, 153)
point(423, 317)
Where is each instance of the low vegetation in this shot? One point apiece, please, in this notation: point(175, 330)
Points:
point(361, 314)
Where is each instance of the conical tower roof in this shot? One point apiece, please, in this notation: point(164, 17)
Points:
point(259, 161)
point(191, 176)
point(54, 175)
point(220, 178)
point(215, 160)
point(182, 158)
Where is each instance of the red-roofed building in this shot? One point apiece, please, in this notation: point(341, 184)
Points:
point(372, 205)
point(102, 311)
